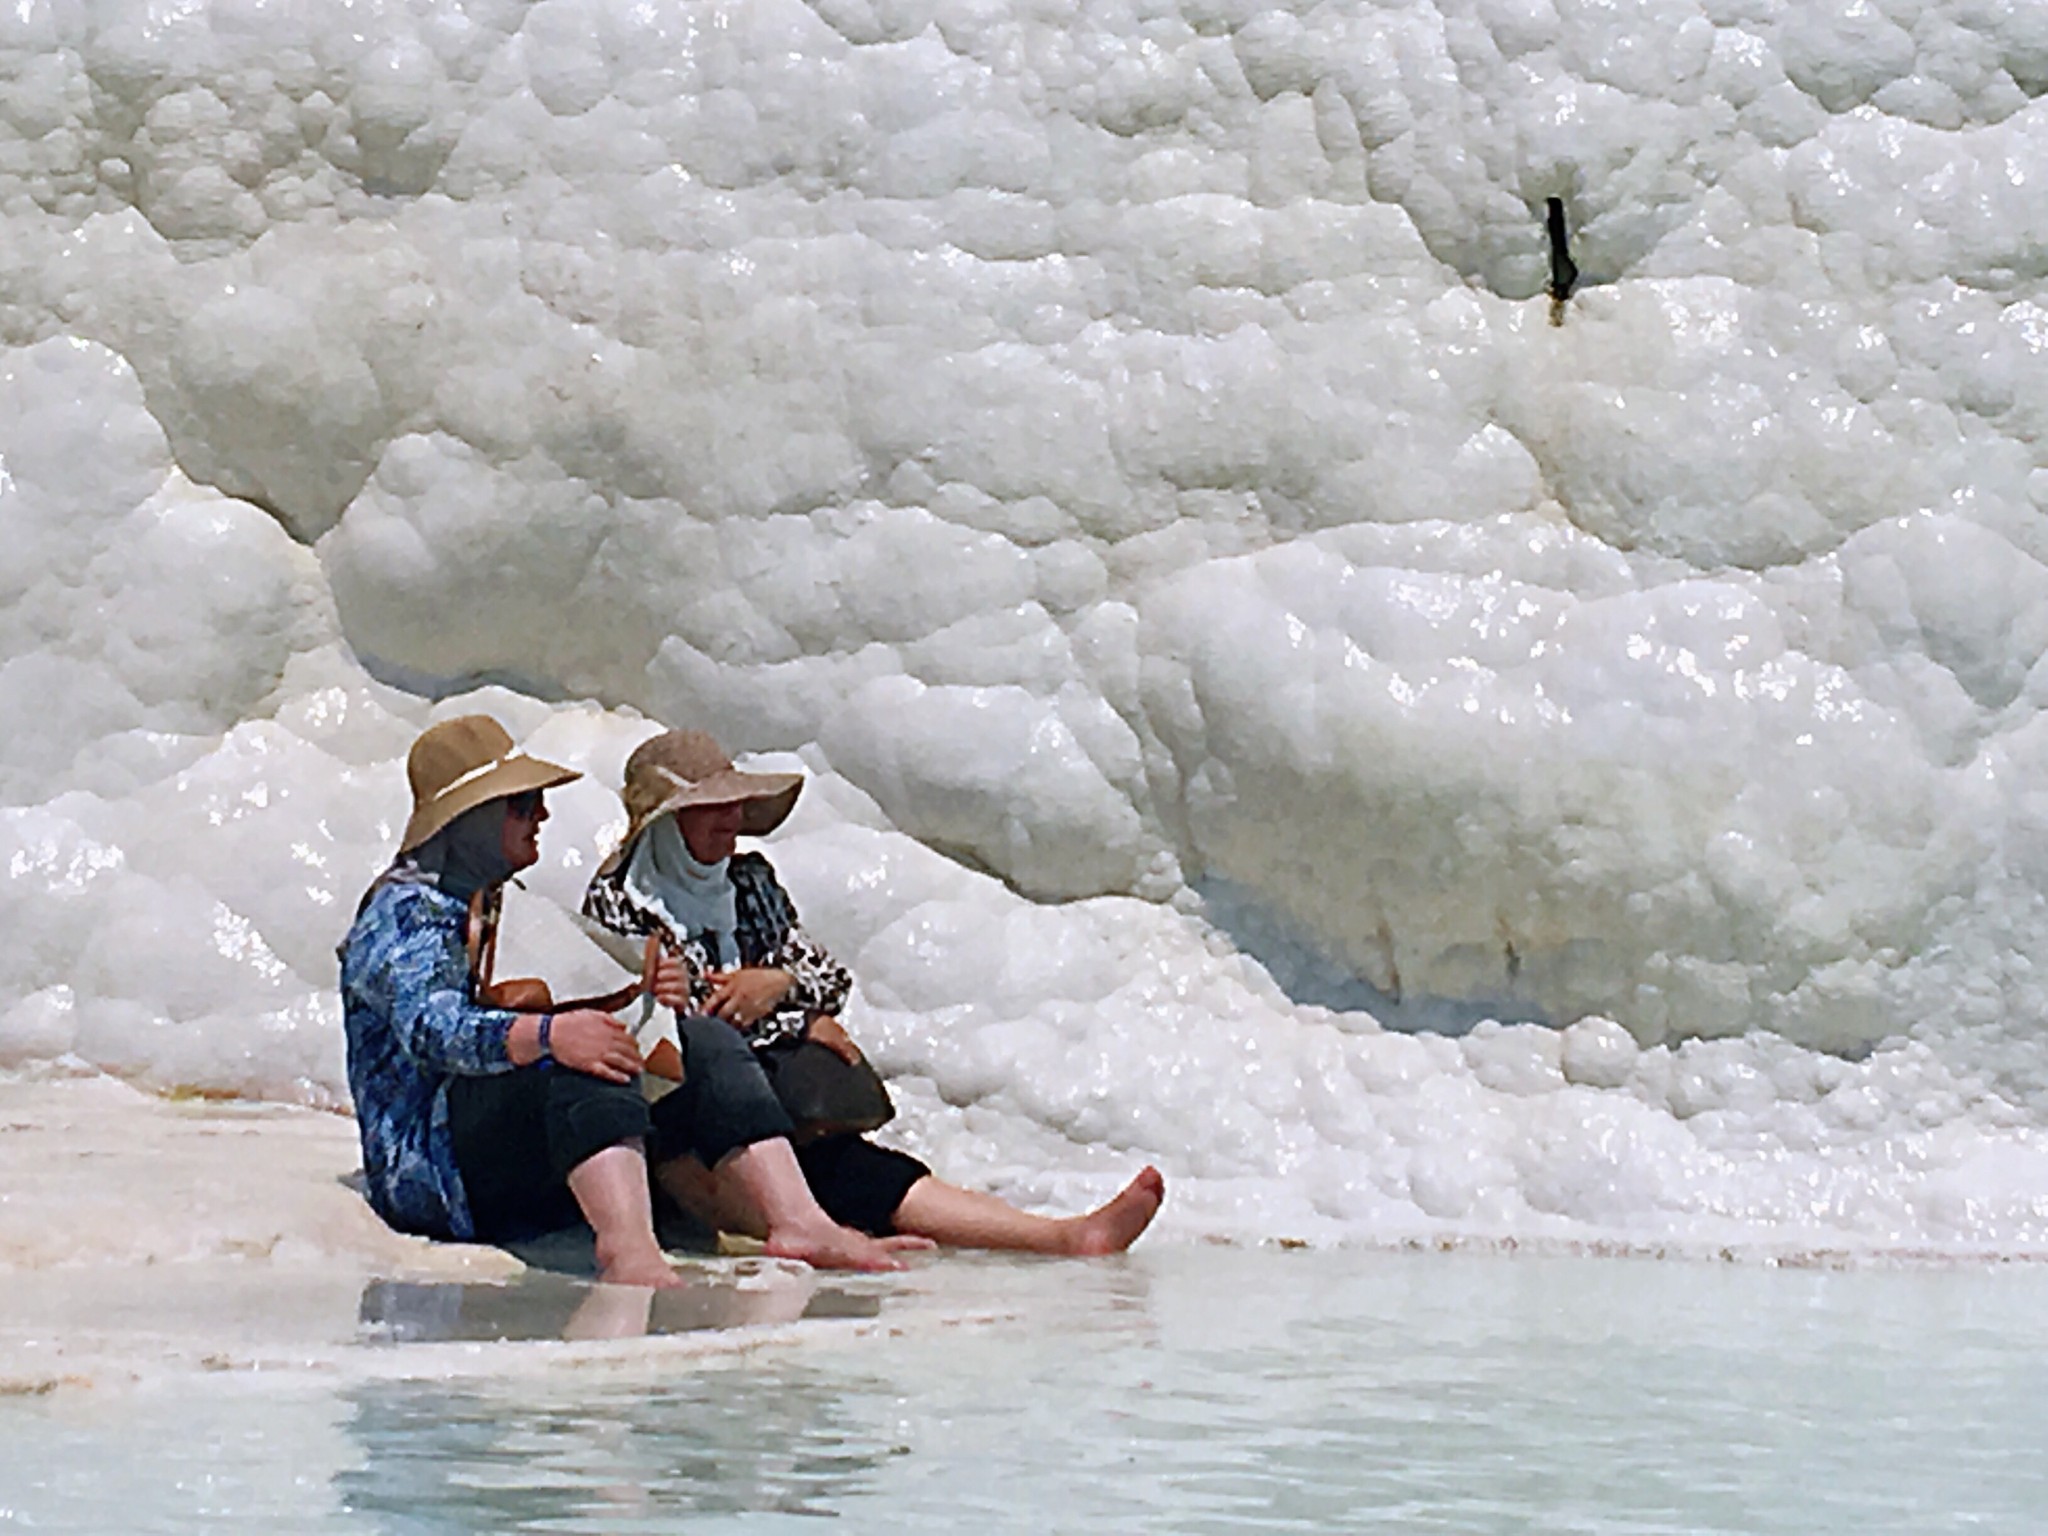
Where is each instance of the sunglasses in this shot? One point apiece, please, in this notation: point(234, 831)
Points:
point(526, 806)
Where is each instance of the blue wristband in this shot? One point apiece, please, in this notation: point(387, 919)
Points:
point(547, 1025)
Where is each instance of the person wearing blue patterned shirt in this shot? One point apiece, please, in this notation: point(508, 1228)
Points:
point(478, 1122)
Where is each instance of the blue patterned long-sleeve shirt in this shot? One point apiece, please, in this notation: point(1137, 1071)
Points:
point(412, 1027)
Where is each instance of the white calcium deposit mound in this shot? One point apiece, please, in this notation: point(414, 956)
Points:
point(1126, 453)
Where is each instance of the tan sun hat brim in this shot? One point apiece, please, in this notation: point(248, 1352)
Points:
point(514, 774)
point(767, 799)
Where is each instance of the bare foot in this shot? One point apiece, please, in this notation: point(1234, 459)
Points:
point(836, 1247)
point(644, 1268)
point(1114, 1227)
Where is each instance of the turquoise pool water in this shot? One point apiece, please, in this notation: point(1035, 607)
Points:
point(1180, 1390)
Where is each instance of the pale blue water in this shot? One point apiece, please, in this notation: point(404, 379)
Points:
point(1180, 1390)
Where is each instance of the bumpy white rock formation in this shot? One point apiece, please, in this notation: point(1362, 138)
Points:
point(1127, 451)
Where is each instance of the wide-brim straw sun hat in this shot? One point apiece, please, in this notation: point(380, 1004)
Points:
point(459, 764)
point(678, 769)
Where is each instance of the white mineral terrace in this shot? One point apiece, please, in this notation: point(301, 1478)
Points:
point(1244, 637)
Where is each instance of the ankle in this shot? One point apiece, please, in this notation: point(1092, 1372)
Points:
point(808, 1228)
point(630, 1252)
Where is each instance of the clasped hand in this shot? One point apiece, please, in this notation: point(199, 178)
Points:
point(666, 977)
point(747, 995)
point(592, 1041)
point(741, 997)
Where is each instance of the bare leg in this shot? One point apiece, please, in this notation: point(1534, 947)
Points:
point(766, 1180)
point(611, 1187)
point(689, 1183)
point(717, 1203)
point(965, 1218)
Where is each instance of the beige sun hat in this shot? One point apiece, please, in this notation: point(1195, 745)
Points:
point(684, 768)
point(459, 764)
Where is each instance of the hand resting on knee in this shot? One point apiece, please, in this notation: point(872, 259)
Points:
point(585, 1039)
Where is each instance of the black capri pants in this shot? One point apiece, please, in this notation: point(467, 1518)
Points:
point(858, 1183)
point(517, 1134)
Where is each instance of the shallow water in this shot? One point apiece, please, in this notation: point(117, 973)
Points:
point(1182, 1390)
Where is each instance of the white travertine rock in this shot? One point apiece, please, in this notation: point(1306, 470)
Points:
point(1597, 1053)
point(137, 611)
point(1128, 451)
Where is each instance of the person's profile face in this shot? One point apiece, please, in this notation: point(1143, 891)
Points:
point(711, 832)
point(521, 835)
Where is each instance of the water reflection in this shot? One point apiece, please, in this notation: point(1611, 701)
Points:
point(1177, 1392)
point(578, 1452)
point(596, 1455)
point(544, 1306)
point(681, 1443)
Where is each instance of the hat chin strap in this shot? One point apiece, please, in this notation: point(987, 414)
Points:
point(472, 776)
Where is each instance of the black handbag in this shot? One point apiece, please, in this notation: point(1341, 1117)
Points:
point(823, 1092)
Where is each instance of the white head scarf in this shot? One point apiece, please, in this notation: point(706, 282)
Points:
point(697, 898)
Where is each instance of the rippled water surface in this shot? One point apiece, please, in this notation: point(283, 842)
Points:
point(1185, 1390)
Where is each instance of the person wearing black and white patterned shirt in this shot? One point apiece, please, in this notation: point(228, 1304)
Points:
point(678, 875)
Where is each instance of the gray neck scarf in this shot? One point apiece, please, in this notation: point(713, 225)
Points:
point(697, 898)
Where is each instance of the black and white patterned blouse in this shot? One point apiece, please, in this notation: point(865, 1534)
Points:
point(766, 932)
